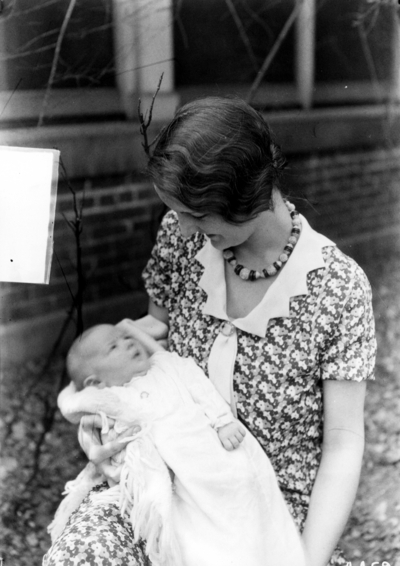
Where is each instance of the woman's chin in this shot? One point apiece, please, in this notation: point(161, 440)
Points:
point(216, 242)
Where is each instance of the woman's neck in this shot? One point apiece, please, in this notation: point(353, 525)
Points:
point(272, 229)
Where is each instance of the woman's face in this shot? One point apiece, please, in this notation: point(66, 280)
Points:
point(222, 234)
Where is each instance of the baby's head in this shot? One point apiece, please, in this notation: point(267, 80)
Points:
point(105, 355)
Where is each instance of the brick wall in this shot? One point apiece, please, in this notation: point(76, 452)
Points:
point(352, 193)
point(120, 219)
point(353, 198)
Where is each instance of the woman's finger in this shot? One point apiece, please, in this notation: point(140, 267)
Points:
point(98, 454)
point(152, 326)
point(91, 422)
point(90, 441)
point(89, 435)
point(111, 472)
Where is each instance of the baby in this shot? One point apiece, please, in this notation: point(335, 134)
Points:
point(107, 355)
point(224, 506)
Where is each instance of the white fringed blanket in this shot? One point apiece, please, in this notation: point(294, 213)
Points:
point(225, 508)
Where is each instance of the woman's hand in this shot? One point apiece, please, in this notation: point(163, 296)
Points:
point(151, 326)
point(99, 454)
point(130, 328)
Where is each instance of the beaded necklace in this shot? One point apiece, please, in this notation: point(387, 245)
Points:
point(271, 270)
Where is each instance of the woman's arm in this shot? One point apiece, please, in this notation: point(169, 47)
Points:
point(160, 313)
point(136, 331)
point(337, 479)
point(155, 323)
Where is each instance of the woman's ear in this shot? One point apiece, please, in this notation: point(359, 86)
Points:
point(91, 380)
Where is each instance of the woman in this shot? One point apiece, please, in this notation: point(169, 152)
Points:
point(276, 315)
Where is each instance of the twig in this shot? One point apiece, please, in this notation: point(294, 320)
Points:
point(145, 120)
point(76, 226)
point(242, 32)
point(36, 8)
point(275, 48)
point(10, 97)
point(11, 56)
point(49, 85)
point(363, 31)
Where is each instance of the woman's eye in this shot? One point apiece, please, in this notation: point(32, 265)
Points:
point(198, 217)
point(195, 216)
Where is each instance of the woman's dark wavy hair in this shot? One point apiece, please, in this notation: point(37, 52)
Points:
point(217, 156)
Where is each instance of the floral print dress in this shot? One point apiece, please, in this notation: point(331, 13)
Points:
point(314, 323)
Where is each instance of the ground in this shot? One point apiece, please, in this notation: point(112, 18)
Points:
point(40, 452)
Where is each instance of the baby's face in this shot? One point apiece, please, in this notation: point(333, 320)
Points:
point(113, 356)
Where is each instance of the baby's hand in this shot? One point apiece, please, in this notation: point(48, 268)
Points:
point(231, 435)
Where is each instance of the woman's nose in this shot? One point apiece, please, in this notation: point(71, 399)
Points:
point(187, 225)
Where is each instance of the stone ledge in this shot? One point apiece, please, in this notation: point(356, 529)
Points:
point(336, 129)
point(114, 147)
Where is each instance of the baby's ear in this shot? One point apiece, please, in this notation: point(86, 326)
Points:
point(91, 380)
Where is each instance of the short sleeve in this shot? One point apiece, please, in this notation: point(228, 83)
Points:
point(350, 352)
point(158, 273)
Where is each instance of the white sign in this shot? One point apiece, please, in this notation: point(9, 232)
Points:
point(28, 189)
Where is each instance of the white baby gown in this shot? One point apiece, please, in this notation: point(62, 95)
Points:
point(226, 506)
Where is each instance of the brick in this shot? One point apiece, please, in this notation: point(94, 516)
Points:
point(351, 195)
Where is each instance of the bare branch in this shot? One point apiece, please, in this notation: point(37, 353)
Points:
point(77, 226)
point(242, 33)
point(25, 49)
point(39, 38)
point(63, 274)
point(254, 16)
point(275, 48)
point(145, 120)
point(372, 12)
point(10, 56)
point(10, 97)
point(55, 60)
point(35, 8)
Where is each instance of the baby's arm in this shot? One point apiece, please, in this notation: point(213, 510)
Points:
point(231, 435)
point(230, 431)
point(151, 345)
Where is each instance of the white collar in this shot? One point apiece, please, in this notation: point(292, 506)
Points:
point(291, 281)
